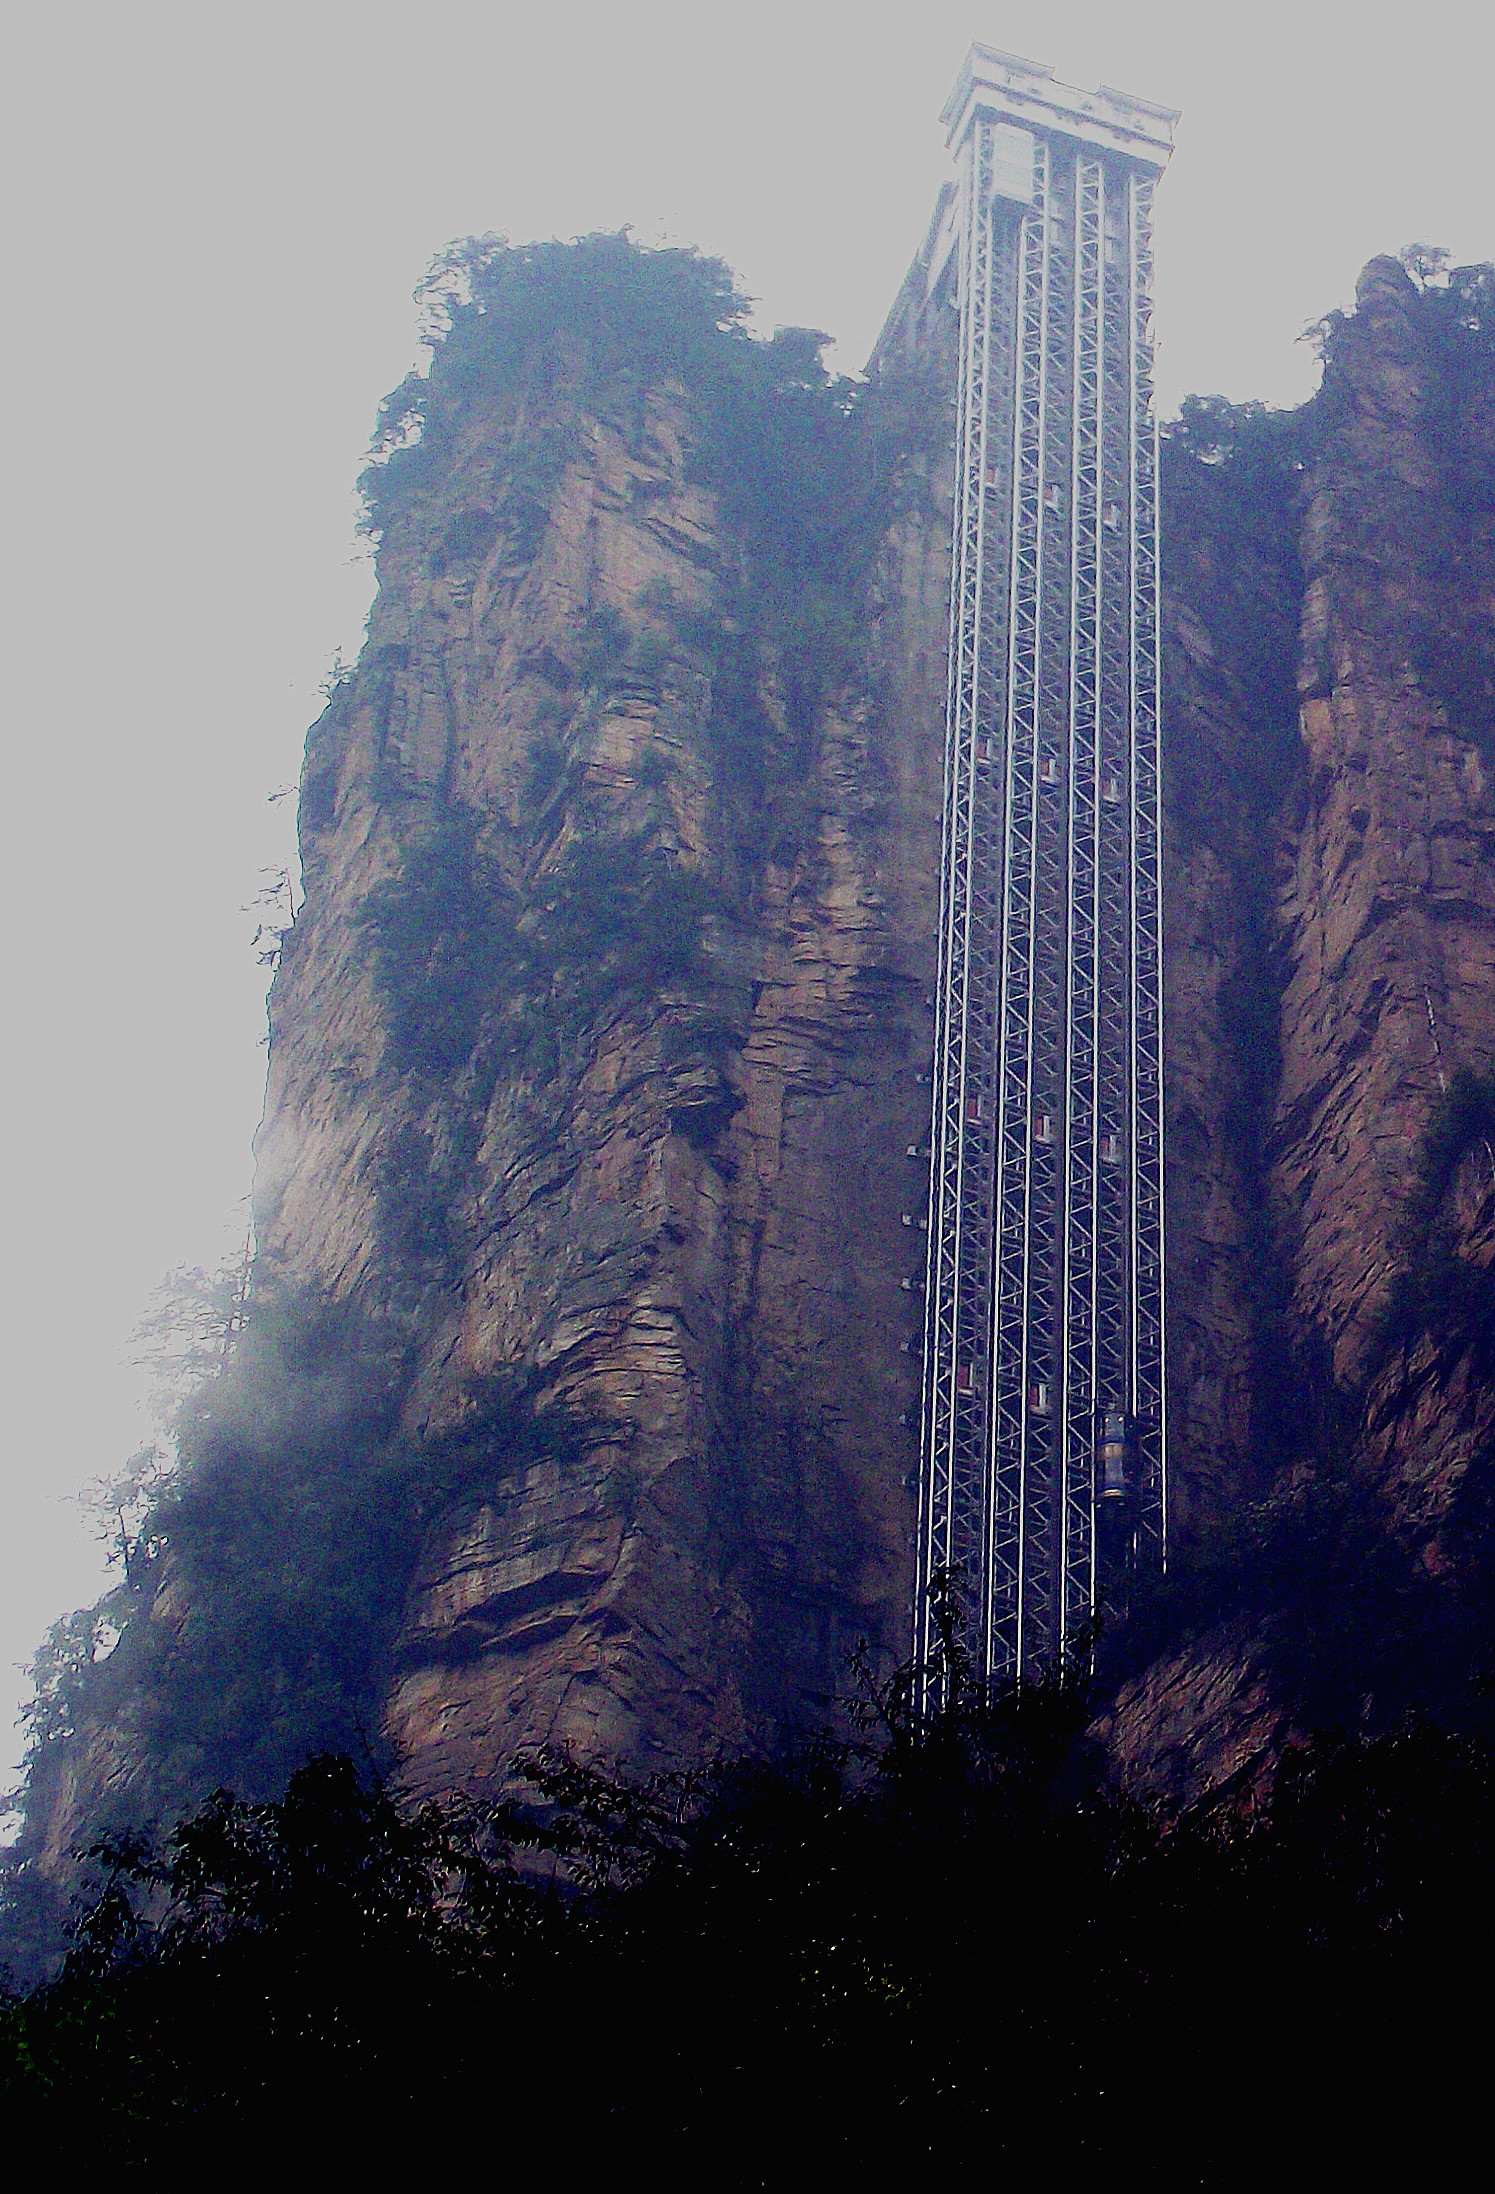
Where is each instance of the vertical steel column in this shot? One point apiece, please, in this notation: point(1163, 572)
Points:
point(1018, 1353)
point(1044, 1276)
point(1048, 916)
point(955, 1530)
point(1084, 1253)
point(1116, 862)
point(1147, 1368)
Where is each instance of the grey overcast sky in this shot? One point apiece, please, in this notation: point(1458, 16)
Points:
point(215, 217)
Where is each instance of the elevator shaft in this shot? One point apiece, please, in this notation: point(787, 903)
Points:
point(1043, 1452)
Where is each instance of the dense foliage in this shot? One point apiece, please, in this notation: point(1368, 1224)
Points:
point(804, 463)
point(777, 432)
point(460, 957)
point(1452, 311)
point(951, 1940)
point(266, 1571)
point(444, 936)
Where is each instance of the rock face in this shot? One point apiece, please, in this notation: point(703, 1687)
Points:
point(673, 1203)
point(1333, 994)
point(1232, 757)
point(598, 1044)
point(1389, 907)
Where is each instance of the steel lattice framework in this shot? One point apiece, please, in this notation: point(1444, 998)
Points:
point(1043, 1465)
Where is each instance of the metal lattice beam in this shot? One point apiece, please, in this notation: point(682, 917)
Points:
point(1043, 1451)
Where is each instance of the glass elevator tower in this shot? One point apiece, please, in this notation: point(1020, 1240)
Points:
point(1043, 1473)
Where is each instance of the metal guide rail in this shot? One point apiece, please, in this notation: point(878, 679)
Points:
point(1043, 1468)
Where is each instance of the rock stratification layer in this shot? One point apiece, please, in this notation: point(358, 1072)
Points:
point(1389, 900)
point(1332, 1041)
point(655, 1166)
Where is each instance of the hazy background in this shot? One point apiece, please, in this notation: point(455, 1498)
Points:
point(215, 218)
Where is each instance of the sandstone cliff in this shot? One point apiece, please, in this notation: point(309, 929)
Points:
point(596, 1086)
point(1332, 1017)
point(657, 1166)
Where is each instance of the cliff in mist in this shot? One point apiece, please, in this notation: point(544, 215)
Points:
point(576, 1402)
point(625, 780)
point(1330, 736)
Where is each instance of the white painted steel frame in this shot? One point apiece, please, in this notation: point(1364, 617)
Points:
point(1043, 1298)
